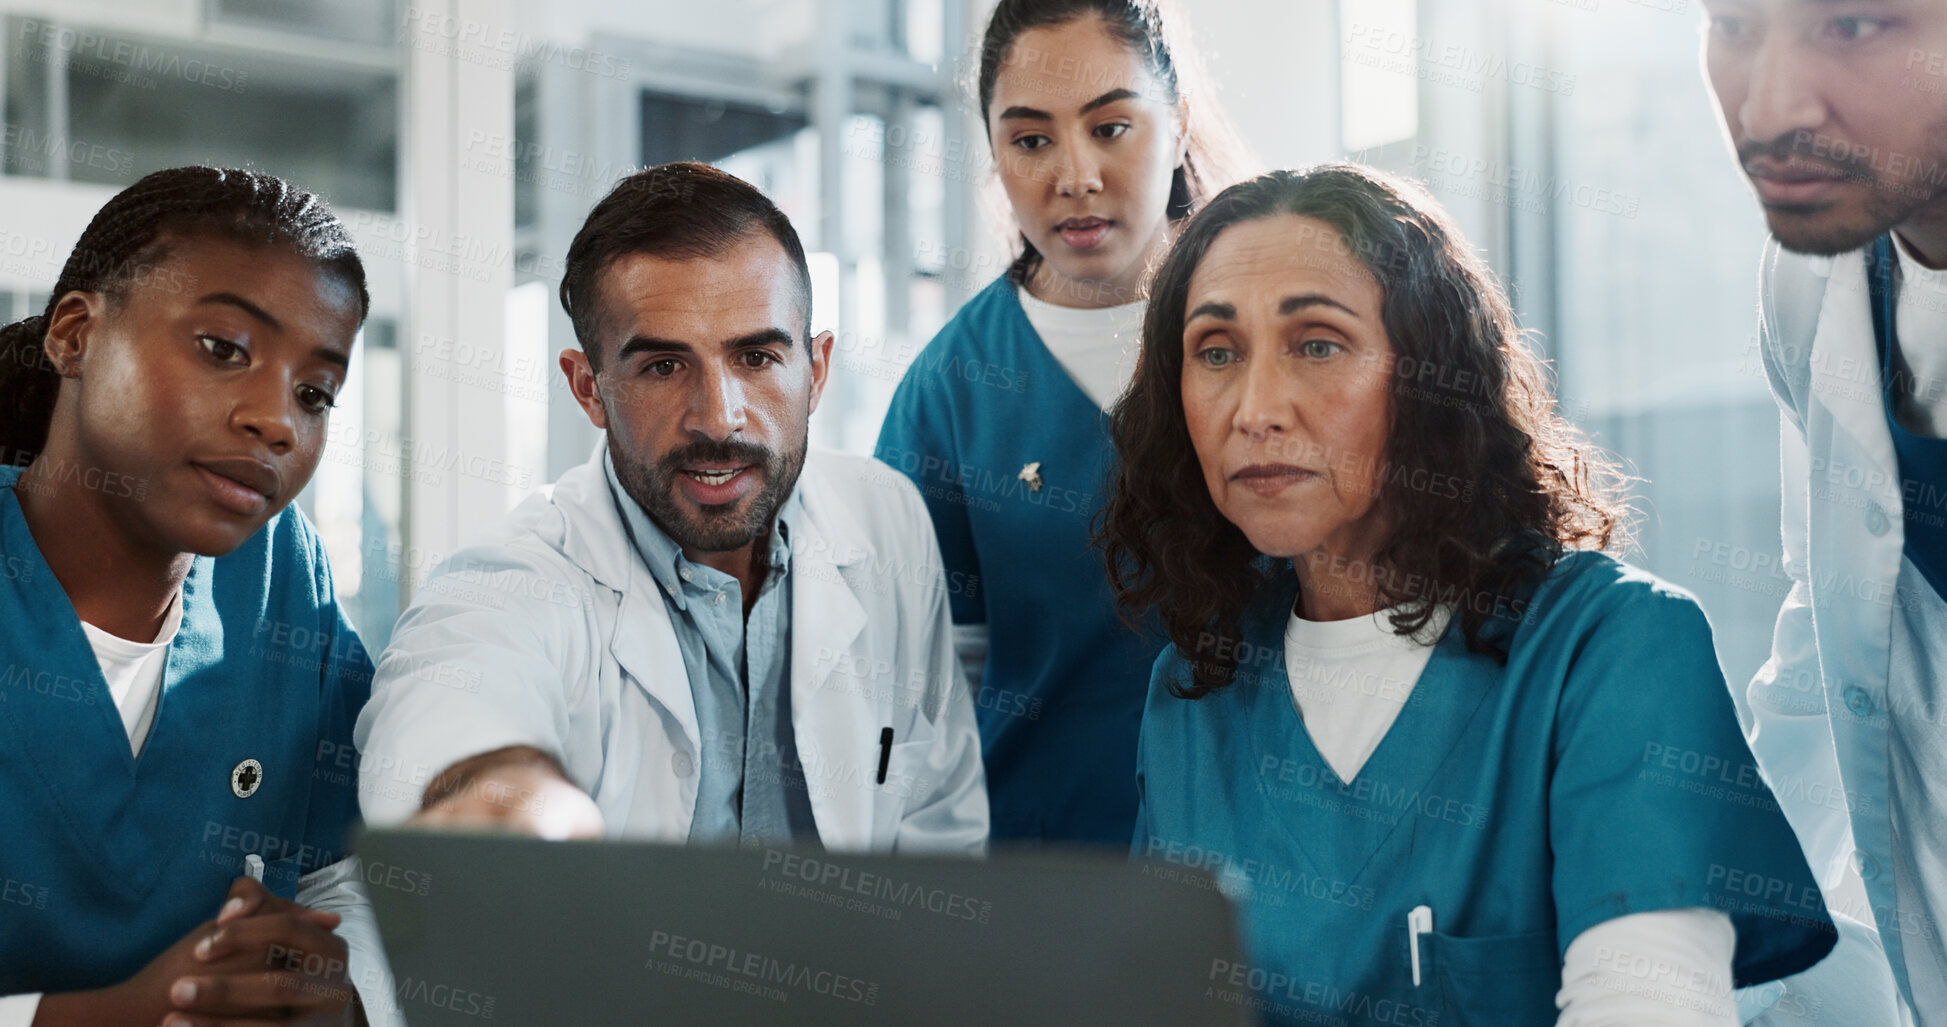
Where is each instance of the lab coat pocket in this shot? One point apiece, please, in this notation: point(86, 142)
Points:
point(1507, 980)
point(908, 780)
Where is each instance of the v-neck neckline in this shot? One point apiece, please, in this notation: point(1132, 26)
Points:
point(58, 625)
point(92, 772)
point(1051, 366)
point(1448, 697)
point(1355, 638)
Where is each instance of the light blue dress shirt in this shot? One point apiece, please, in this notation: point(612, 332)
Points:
point(752, 788)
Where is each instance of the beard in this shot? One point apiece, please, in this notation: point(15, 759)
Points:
point(714, 528)
point(1830, 229)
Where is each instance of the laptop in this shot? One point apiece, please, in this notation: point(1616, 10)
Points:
point(504, 930)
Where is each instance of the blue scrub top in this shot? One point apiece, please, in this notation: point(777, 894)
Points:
point(107, 858)
point(1062, 695)
point(1599, 773)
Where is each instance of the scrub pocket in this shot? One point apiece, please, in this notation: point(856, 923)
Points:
point(1508, 980)
point(280, 876)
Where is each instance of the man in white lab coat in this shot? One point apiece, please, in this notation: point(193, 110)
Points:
point(1838, 113)
point(705, 633)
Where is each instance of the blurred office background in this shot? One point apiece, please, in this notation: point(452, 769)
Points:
point(464, 140)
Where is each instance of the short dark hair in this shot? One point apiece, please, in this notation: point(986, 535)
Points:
point(1523, 485)
point(683, 209)
point(136, 230)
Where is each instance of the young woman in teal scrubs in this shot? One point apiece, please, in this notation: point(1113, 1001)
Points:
point(1103, 141)
point(177, 682)
point(1456, 765)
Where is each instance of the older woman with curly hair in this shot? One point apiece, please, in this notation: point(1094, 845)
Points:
point(1455, 764)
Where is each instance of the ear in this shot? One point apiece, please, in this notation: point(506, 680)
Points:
point(584, 383)
point(70, 329)
point(821, 366)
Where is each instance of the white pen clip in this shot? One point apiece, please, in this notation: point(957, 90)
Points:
point(253, 868)
point(1418, 922)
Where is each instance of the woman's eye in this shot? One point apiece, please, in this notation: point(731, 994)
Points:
point(315, 399)
point(1216, 356)
point(223, 350)
point(1032, 143)
point(1110, 131)
point(1319, 349)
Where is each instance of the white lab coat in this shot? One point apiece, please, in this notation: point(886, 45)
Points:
point(1816, 713)
point(552, 633)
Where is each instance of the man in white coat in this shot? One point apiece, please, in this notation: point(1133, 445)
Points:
point(1838, 114)
point(705, 633)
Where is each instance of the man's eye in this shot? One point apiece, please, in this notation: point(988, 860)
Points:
point(1727, 27)
point(1857, 29)
point(223, 350)
point(661, 368)
point(756, 359)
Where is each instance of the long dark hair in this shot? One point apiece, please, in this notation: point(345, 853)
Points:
point(1522, 484)
point(130, 236)
point(1214, 157)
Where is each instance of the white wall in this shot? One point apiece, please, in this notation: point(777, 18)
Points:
point(752, 28)
point(1275, 66)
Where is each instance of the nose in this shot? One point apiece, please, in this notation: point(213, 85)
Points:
point(1264, 410)
point(1080, 172)
point(718, 408)
point(267, 410)
point(1781, 99)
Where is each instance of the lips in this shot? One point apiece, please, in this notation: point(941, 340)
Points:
point(242, 485)
point(1792, 182)
point(1084, 233)
point(1271, 479)
point(716, 484)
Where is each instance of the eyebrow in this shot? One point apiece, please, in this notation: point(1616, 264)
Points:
point(1293, 304)
point(653, 344)
point(231, 299)
point(1032, 114)
point(1286, 307)
point(234, 300)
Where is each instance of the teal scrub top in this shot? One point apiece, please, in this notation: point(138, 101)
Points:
point(107, 858)
point(1922, 460)
point(1012, 459)
point(1599, 772)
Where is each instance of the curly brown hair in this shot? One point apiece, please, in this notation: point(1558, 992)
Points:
point(1469, 402)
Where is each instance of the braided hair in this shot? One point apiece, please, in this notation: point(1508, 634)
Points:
point(130, 236)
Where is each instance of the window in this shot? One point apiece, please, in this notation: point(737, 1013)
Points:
point(105, 107)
